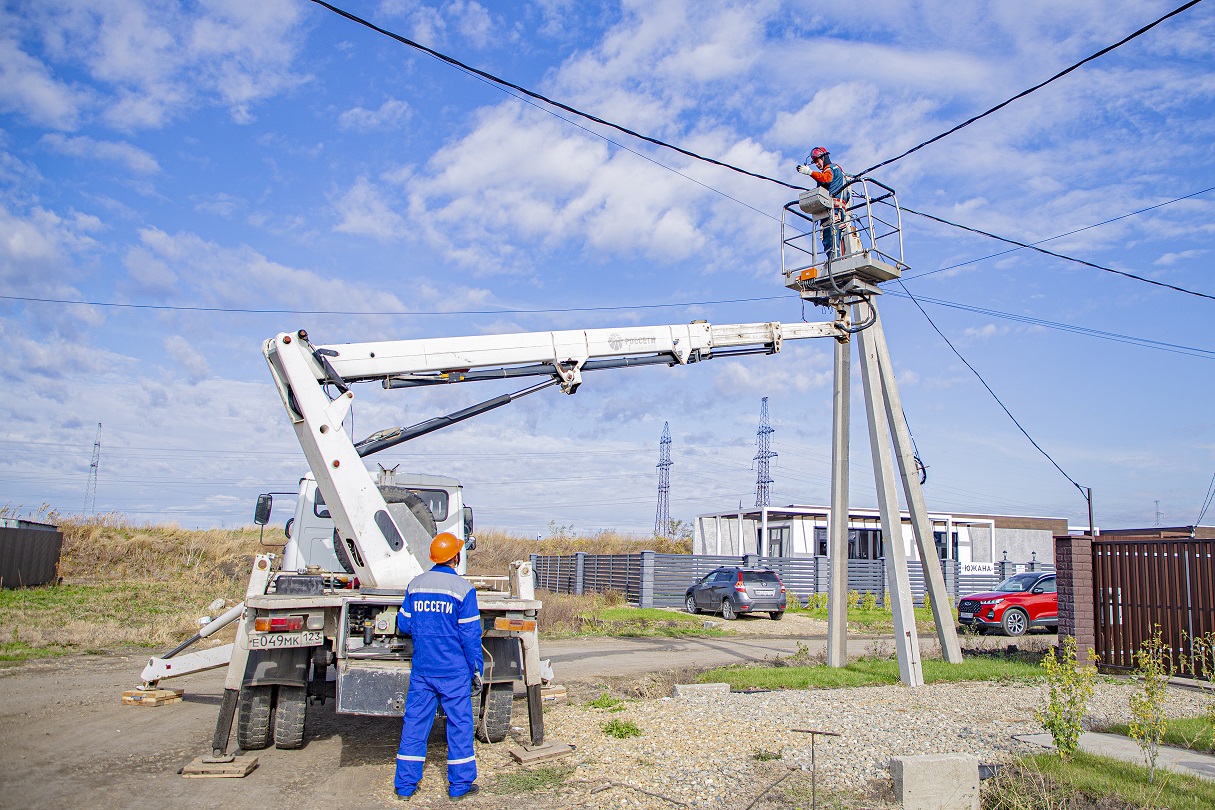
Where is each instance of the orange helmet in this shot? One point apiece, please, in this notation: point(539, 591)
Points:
point(444, 547)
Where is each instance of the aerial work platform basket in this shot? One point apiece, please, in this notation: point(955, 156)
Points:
point(867, 248)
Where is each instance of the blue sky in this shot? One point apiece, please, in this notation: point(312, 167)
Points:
point(275, 156)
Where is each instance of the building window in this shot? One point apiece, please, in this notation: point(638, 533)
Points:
point(820, 541)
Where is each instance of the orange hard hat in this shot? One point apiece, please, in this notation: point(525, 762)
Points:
point(444, 547)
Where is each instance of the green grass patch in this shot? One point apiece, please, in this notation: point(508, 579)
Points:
point(868, 672)
point(620, 729)
point(877, 620)
point(18, 651)
point(1194, 733)
point(541, 777)
point(1046, 781)
point(605, 701)
point(635, 622)
point(55, 619)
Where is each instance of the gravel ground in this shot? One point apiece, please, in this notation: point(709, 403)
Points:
point(698, 751)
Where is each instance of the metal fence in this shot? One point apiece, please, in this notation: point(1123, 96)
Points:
point(29, 556)
point(649, 579)
point(1142, 584)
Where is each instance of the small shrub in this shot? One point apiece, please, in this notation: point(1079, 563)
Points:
point(620, 729)
point(854, 598)
point(528, 780)
point(868, 601)
point(927, 601)
point(1204, 667)
point(817, 601)
point(1155, 667)
point(1069, 687)
point(760, 755)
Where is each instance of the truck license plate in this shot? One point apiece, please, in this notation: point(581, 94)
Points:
point(964, 615)
point(281, 641)
point(765, 591)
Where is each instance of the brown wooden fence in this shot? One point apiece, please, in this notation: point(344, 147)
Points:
point(1143, 583)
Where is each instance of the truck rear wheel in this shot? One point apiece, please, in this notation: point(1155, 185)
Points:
point(254, 712)
point(499, 702)
point(289, 716)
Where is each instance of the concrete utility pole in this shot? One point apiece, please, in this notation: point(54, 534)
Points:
point(869, 253)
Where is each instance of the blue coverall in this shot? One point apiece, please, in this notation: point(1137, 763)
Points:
point(440, 613)
point(832, 227)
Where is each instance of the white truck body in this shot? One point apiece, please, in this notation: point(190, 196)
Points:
point(303, 614)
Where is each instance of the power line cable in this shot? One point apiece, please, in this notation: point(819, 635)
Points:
point(503, 83)
point(1059, 255)
point(1061, 235)
point(1036, 87)
point(247, 311)
point(994, 396)
point(1148, 343)
point(1206, 504)
point(559, 105)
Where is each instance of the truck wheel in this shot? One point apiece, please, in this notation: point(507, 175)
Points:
point(289, 715)
point(254, 712)
point(498, 706)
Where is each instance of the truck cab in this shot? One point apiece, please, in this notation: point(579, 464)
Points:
point(310, 532)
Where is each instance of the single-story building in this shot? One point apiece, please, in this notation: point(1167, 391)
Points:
point(801, 531)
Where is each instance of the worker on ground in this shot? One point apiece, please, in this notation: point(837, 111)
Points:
point(830, 176)
point(440, 613)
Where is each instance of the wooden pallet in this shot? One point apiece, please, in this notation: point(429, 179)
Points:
point(529, 755)
point(201, 768)
point(151, 697)
point(553, 694)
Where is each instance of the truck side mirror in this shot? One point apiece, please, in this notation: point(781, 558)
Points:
point(261, 515)
point(468, 523)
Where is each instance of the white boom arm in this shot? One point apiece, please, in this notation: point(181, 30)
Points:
point(302, 372)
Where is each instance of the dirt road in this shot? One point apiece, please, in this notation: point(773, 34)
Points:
point(66, 740)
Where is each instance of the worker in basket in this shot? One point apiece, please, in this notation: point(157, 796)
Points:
point(440, 612)
point(830, 176)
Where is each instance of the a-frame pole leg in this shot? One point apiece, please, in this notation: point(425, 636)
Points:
point(942, 602)
point(898, 583)
point(837, 548)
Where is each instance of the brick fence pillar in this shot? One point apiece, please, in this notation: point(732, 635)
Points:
point(1074, 570)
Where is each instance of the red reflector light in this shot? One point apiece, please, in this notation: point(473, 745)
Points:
point(278, 624)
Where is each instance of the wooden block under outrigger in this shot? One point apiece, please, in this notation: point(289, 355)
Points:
point(206, 768)
point(151, 697)
point(530, 754)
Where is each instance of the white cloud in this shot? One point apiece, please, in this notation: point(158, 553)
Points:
point(189, 358)
point(390, 114)
point(472, 20)
point(150, 64)
point(28, 86)
point(36, 250)
point(363, 211)
point(983, 332)
point(1169, 259)
point(134, 158)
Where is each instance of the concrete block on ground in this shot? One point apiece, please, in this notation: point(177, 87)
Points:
point(689, 689)
point(936, 781)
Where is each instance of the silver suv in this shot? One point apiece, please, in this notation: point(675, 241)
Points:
point(735, 591)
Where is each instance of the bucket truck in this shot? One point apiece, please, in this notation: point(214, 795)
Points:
point(297, 624)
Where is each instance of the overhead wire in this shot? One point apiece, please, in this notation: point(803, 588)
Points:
point(994, 395)
point(1060, 235)
point(559, 105)
point(1206, 503)
point(1052, 253)
point(1035, 88)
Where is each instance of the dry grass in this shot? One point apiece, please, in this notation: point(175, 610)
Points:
point(497, 549)
point(126, 584)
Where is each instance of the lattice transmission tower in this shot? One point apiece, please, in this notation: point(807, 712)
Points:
point(763, 457)
point(90, 492)
point(662, 519)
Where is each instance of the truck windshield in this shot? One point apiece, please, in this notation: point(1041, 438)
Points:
point(435, 500)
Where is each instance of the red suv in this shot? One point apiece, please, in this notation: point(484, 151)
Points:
point(1017, 604)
